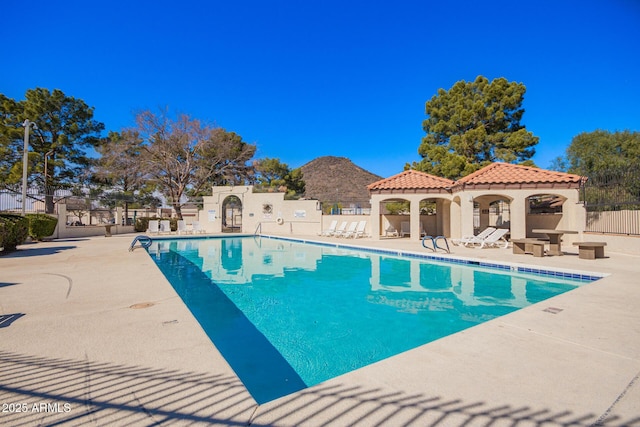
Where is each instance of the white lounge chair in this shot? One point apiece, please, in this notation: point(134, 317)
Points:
point(496, 239)
point(350, 231)
point(472, 240)
point(390, 231)
point(165, 226)
point(360, 230)
point(340, 230)
point(182, 227)
point(153, 227)
point(332, 229)
point(195, 227)
point(405, 228)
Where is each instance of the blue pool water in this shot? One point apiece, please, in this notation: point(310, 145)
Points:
point(287, 315)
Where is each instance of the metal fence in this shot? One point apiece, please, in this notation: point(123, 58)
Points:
point(612, 202)
point(11, 201)
point(83, 210)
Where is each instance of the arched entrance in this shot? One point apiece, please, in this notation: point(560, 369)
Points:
point(394, 217)
point(491, 210)
point(543, 211)
point(435, 215)
point(232, 215)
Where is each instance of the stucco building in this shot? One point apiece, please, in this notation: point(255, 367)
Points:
point(503, 195)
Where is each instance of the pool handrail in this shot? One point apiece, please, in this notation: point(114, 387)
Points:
point(434, 243)
point(144, 241)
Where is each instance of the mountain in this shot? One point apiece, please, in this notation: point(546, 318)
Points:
point(337, 179)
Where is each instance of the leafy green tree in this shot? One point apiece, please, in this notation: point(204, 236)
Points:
point(294, 181)
point(66, 128)
point(611, 161)
point(598, 151)
point(230, 156)
point(398, 208)
point(272, 175)
point(183, 156)
point(559, 164)
point(473, 124)
point(11, 135)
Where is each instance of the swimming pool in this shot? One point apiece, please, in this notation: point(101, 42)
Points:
point(287, 314)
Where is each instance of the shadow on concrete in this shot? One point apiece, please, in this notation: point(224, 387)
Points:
point(7, 319)
point(79, 392)
point(36, 251)
point(5, 284)
point(336, 405)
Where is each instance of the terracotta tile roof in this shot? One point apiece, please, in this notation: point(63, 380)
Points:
point(411, 180)
point(503, 175)
point(506, 173)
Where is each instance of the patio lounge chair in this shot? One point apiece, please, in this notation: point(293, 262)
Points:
point(496, 239)
point(391, 231)
point(165, 226)
point(332, 229)
point(340, 230)
point(182, 227)
point(405, 228)
point(350, 231)
point(153, 227)
point(195, 227)
point(472, 240)
point(360, 230)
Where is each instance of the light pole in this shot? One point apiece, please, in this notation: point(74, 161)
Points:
point(25, 159)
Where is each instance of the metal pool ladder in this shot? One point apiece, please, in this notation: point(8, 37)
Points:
point(434, 243)
point(144, 242)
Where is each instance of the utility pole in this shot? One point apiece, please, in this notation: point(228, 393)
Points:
point(25, 160)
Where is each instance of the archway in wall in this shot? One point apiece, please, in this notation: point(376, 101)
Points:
point(232, 215)
point(544, 211)
point(435, 214)
point(492, 210)
point(394, 217)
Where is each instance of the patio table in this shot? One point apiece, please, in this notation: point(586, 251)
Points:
point(555, 239)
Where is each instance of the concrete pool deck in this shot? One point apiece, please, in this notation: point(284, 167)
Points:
point(91, 334)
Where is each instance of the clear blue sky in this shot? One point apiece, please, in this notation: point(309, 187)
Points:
point(303, 79)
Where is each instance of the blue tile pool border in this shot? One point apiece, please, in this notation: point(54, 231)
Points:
point(565, 274)
point(519, 268)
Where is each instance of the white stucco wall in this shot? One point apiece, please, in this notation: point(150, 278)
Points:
point(454, 215)
point(64, 231)
point(283, 216)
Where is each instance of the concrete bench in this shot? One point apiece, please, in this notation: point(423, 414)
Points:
point(528, 246)
point(590, 250)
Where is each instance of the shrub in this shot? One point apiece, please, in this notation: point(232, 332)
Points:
point(14, 231)
point(142, 224)
point(41, 225)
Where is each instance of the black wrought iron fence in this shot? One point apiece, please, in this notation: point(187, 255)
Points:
point(11, 201)
point(612, 202)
